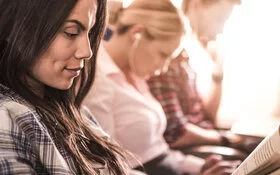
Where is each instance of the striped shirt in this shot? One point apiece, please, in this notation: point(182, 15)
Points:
point(26, 146)
point(176, 91)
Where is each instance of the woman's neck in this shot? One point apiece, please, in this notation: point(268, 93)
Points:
point(120, 57)
point(119, 53)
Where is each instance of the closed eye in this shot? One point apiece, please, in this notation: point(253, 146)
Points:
point(71, 35)
point(164, 56)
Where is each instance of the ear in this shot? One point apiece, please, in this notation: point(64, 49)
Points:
point(136, 32)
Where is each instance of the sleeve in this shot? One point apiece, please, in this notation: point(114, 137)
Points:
point(165, 89)
point(13, 152)
point(99, 101)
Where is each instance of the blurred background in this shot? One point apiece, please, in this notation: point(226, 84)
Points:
point(251, 86)
point(252, 75)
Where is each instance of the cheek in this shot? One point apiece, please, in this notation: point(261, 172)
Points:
point(49, 66)
point(143, 62)
point(207, 22)
point(154, 63)
point(50, 72)
point(52, 60)
point(44, 69)
point(61, 49)
point(147, 61)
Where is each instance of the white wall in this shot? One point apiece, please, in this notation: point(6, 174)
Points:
point(252, 63)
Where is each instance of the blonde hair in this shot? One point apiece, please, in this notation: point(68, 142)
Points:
point(160, 18)
point(114, 6)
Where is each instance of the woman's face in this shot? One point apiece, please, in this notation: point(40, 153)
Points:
point(63, 60)
point(151, 56)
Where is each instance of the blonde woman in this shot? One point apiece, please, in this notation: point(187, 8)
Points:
point(147, 34)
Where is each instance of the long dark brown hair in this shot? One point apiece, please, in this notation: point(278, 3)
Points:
point(27, 27)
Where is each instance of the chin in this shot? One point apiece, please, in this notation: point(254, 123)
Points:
point(146, 77)
point(143, 75)
point(64, 86)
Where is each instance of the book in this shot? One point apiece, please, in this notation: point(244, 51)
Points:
point(265, 159)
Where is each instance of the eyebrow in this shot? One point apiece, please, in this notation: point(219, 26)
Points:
point(78, 23)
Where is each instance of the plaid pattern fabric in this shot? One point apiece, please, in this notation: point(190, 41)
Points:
point(26, 147)
point(177, 93)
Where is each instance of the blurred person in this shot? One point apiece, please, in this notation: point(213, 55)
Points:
point(113, 7)
point(191, 115)
point(47, 64)
point(147, 34)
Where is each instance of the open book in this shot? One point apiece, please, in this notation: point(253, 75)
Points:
point(265, 159)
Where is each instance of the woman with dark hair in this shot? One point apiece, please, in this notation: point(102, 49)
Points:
point(47, 64)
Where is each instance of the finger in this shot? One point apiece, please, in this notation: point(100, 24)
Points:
point(224, 171)
point(236, 163)
point(223, 166)
point(213, 159)
point(221, 171)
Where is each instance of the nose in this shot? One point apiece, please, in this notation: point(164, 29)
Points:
point(163, 66)
point(83, 50)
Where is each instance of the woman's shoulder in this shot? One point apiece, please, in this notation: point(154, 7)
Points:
point(24, 134)
point(15, 112)
point(13, 105)
point(19, 118)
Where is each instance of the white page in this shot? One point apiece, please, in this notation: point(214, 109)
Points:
point(265, 151)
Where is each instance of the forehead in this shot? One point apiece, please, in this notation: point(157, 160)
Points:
point(168, 46)
point(219, 6)
point(216, 13)
point(84, 11)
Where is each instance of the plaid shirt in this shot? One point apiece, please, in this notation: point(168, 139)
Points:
point(177, 93)
point(26, 146)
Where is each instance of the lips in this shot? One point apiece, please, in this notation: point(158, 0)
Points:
point(74, 72)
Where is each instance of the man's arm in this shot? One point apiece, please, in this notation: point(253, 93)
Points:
point(210, 90)
point(209, 84)
point(179, 132)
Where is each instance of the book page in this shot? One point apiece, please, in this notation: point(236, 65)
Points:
point(263, 158)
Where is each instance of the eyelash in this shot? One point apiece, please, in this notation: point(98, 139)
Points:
point(71, 35)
